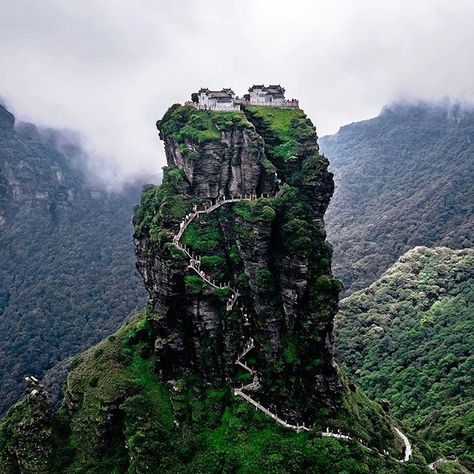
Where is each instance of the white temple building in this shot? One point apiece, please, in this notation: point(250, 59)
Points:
point(225, 100)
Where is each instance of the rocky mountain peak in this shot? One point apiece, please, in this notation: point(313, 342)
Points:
point(7, 119)
point(232, 248)
point(233, 356)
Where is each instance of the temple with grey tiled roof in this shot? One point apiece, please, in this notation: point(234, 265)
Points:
point(226, 100)
point(223, 100)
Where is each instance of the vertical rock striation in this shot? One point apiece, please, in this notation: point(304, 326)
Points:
point(271, 248)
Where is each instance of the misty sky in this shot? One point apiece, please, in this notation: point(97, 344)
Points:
point(110, 68)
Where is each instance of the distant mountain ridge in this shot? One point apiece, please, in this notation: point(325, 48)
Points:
point(408, 338)
point(403, 179)
point(67, 274)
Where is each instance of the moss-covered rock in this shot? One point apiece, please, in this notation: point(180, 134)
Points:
point(26, 439)
point(158, 395)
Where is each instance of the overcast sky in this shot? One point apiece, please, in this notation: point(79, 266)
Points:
point(110, 68)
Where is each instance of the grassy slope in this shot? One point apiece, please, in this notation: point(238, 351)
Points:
point(288, 126)
point(186, 122)
point(119, 401)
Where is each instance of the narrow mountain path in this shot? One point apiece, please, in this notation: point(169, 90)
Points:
point(195, 261)
point(406, 442)
point(195, 265)
point(438, 462)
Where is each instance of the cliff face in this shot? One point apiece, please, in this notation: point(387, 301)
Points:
point(232, 165)
point(271, 248)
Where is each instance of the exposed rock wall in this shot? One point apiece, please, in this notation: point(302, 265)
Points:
point(272, 249)
point(229, 166)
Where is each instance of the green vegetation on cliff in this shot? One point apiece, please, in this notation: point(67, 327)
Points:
point(289, 136)
point(118, 416)
point(408, 339)
point(187, 122)
point(161, 205)
point(26, 435)
point(290, 127)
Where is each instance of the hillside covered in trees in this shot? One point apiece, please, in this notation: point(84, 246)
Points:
point(67, 275)
point(408, 339)
point(403, 179)
point(230, 368)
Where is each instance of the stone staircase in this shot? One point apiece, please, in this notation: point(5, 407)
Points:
point(195, 260)
point(195, 264)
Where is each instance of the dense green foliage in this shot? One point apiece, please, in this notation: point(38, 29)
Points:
point(260, 210)
point(119, 401)
point(408, 339)
point(403, 179)
point(290, 126)
point(186, 122)
point(27, 424)
point(67, 275)
point(287, 133)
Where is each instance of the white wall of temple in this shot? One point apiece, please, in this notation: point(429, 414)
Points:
point(278, 100)
point(212, 103)
point(263, 99)
point(203, 100)
point(228, 104)
point(257, 96)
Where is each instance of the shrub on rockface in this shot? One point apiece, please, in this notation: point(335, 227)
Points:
point(159, 205)
point(255, 211)
point(193, 283)
point(265, 280)
point(203, 237)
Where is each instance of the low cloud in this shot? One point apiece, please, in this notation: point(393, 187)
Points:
point(109, 69)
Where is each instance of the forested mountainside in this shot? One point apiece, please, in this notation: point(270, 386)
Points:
point(408, 338)
point(230, 368)
point(403, 179)
point(67, 276)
